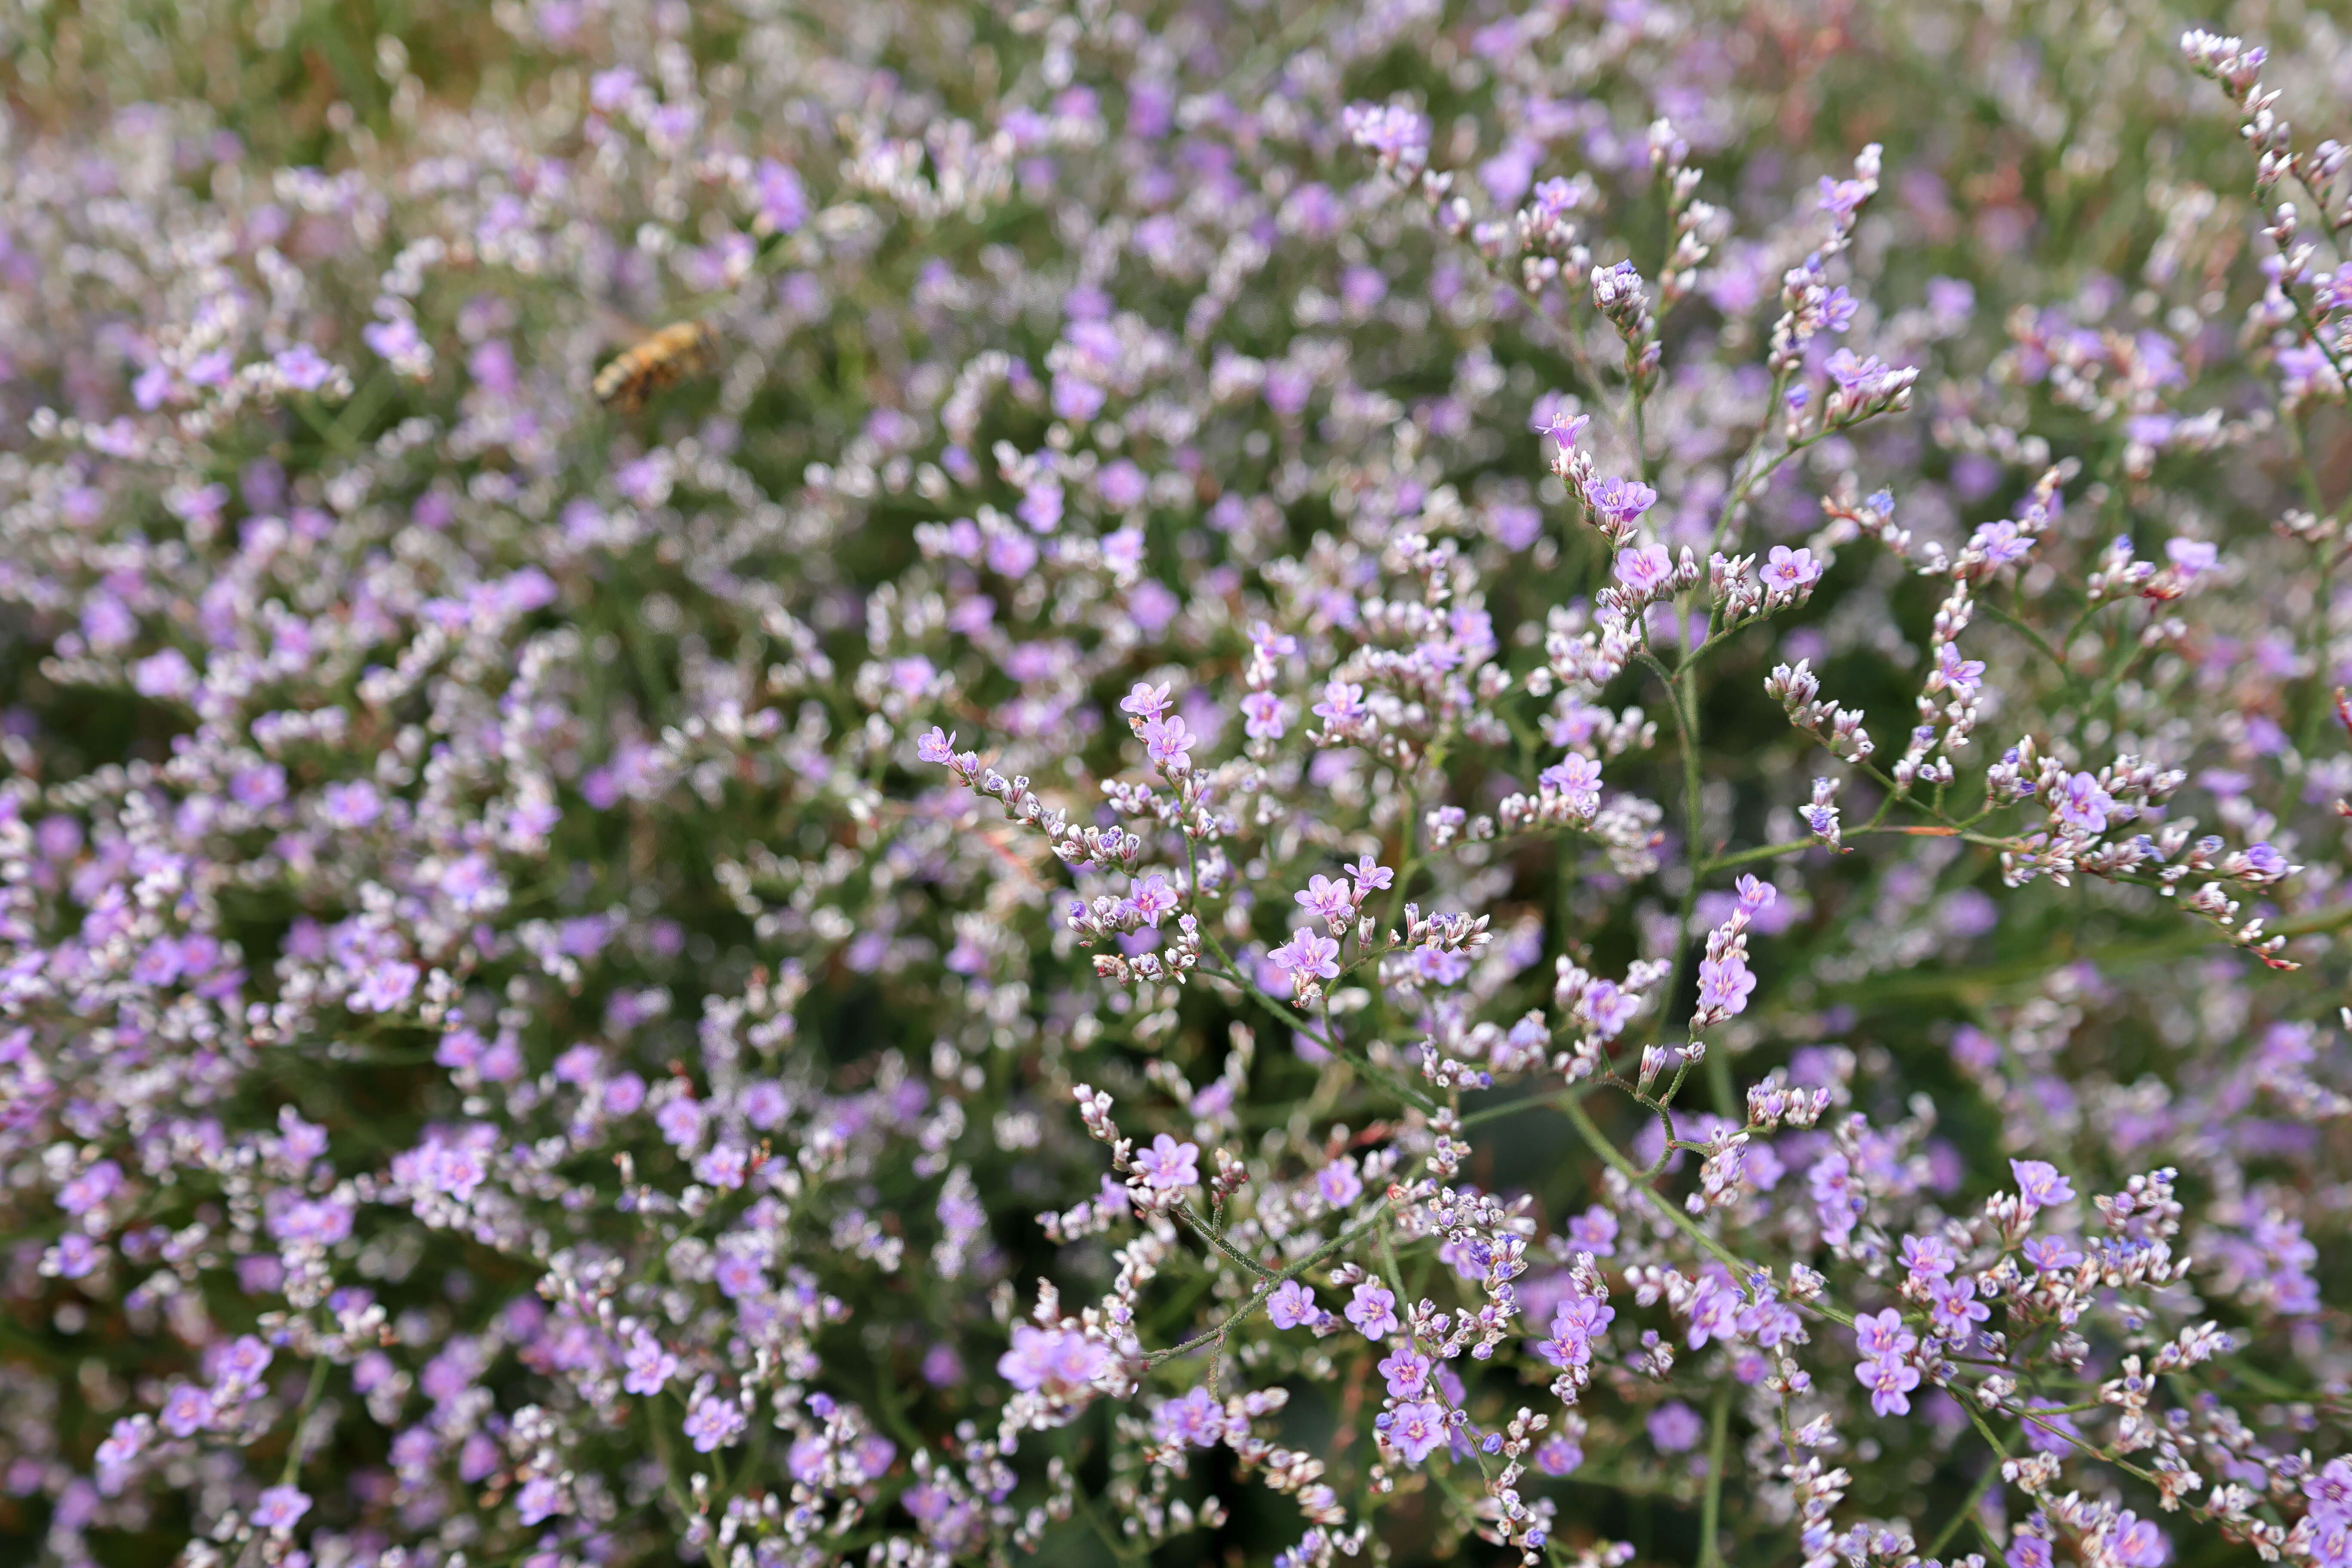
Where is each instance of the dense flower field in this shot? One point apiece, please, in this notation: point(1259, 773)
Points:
point(1249, 782)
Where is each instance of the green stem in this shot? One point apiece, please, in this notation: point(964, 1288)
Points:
point(1215, 1238)
point(1710, 1512)
point(1741, 1270)
point(302, 1416)
point(1968, 1509)
point(1267, 1286)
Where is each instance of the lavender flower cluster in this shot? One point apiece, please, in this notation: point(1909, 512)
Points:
point(1307, 781)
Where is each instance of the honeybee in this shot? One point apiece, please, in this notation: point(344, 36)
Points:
point(681, 350)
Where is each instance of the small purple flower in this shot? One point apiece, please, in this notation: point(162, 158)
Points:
point(1416, 1429)
point(1609, 1007)
point(1578, 777)
point(1145, 702)
point(2137, 1542)
point(1338, 1183)
point(1194, 1420)
point(1618, 504)
point(1168, 1165)
point(301, 368)
point(1153, 900)
point(1168, 742)
point(1059, 1361)
point(1953, 1309)
point(97, 1183)
point(647, 1365)
point(1724, 984)
point(713, 1423)
point(2000, 542)
point(1890, 1383)
point(1291, 1305)
point(2192, 558)
point(1407, 1372)
point(1925, 1258)
point(2084, 806)
point(2052, 1254)
point(1263, 716)
point(1308, 956)
point(280, 1508)
point(1374, 1312)
point(1883, 1334)
point(540, 1499)
point(186, 1410)
point(1963, 676)
point(1559, 1455)
point(1675, 1427)
point(1787, 571)
point(2039, 1183)
point(1330, 902)
point(1645, 569)
point(1343, 705)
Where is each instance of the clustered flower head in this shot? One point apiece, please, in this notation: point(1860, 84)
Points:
point(910, 784)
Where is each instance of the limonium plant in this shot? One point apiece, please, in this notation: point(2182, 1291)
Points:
point(801, 781)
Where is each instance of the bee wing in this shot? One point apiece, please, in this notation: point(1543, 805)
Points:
point(620, 330)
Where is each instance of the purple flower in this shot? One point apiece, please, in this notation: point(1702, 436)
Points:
point(1883, 1334)
point(1576, 1323)
point(713, 1423)
point(2192, 558)
point(1890, 1383)
point(2039, 1183)
point(1168, 742)
point(1407, 1372)
point(1396, 133)
point(647, 1365)
point(1645, 569)
point(301, 368)
point(1578, 777)
point(1724, 984)
point(1194, 1420)
point(1788, 572)
point(2084, 806)
point(1559, 1455)
point(1153, 900)
point(1263, 716)
point(1168, 1165)
point(1330, 902)
point(1291, 1305)
point(2000, 542)
point(187, 1410)
point(540, 1499)
point(1308, 956)
point(1338, 1183)
point(1618, 504)
point(2052, 1254)
point(783, 203)
point(280, 1508)
point(1675, 1427)
point(1058, 1361)
point(1416, 1429)
point(1373, 1310)
point(1342, 705)
point(1145, 702)
point(1963, 676)
point(100, 1181)
point(1925, 1258)
point(2137, 1542)
point(1953, 1309)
